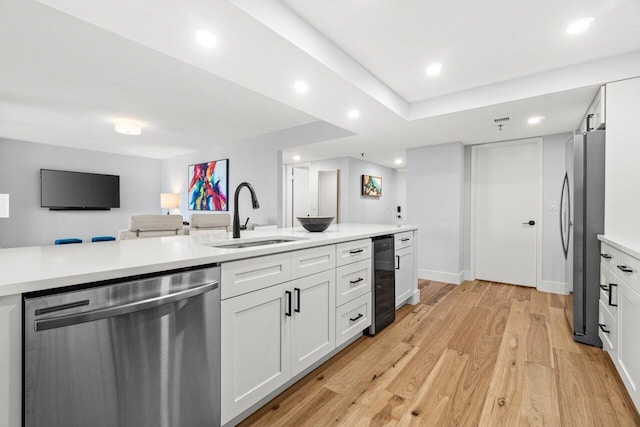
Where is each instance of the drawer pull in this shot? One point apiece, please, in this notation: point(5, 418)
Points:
point(356, 318)
point(357, 251)
point(602, 328)
point(288, 310)
point(604, 288)
point(297, 291)
point(611, 285)
point(605, 256)
point(406, 239)
point(358, 280)
point(625, 269)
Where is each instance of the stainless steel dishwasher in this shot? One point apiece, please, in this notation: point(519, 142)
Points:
point(137, 353)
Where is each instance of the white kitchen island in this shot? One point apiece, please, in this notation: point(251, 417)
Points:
point(33, 269)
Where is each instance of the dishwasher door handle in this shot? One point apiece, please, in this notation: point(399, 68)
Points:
point(119, 310)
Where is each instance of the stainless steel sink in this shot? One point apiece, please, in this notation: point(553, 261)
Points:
point(250, 244)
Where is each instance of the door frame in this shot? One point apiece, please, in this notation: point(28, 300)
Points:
point(539, 212)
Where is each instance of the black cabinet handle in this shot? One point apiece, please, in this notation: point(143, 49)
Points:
point(288, 309)
point(611, 285)
point(605, 256)
point(406, 239)
point(297, 291)
point(602, 328)
point(625, 269)
point(358, 280)
point(604, 288)
point(530, 222)
point(398, 259)
point(353, 319)
point(357, 251)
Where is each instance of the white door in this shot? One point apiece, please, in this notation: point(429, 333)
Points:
point(328, 193)
point(314, 319)
point(506, 214)
point(404, 274)
point(255, 347)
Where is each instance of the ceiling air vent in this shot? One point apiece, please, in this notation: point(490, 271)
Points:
point(501, 120)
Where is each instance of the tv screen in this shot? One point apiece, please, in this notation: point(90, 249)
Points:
point(78, 190)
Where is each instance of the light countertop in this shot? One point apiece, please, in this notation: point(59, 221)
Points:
point(622, 244)
point(46, 267)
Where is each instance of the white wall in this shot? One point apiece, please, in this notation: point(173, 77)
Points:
point(258, 164)
point(370, 210)
point(435, 181)
point(554, 168)
point(29, 224)
point(401, 196)
point(622, 176)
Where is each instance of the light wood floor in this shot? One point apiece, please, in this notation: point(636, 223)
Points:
point(480, 353)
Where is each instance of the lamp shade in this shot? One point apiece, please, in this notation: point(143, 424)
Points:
point(4, 206)
point(169, 200)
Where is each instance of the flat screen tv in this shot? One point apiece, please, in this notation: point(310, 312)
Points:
point(66, 190)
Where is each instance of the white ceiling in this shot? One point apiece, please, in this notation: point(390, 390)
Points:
point(478, 42)
point(81, 64)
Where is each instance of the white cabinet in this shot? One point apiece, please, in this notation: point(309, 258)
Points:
point(311, 261)
point(352, 318)
point(313, 326)
point(628, 342)
point(353, 281)
point(404, 275)
point(619, 314)
point(255, 347)
point(11, 361)
point(350, 252)
point(247, 275)
point(595, 116)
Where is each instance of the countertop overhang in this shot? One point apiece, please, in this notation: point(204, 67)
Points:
point(39, 268)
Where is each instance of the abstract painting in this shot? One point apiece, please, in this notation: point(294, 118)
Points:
point(209, 186)
point(371, 186)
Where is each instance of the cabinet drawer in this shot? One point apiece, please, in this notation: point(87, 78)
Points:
point(627, 268)
point(312, 261)
point(608, 330)
point(352, 318)
point(349, 252)
point(609, 288)
point(403, 240)
point(248, 275)
point(352, 281)
point(608, 255)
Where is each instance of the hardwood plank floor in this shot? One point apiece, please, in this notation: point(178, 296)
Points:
point(480, 353)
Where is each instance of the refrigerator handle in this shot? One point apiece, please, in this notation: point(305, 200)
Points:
point(565, 209)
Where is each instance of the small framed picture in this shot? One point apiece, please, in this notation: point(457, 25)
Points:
point(371, 186)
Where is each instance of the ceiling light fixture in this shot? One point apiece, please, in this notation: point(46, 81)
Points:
point(580, 26)
point(535, 120)
point(434, 69)
point(398, 161)
point(353, 114)
point(296, 158)
point(206, 39)
point(127, 127)
point(300, 86)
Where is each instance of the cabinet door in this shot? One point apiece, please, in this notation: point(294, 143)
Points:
point(255, 347)
point(404, 274)
point(628, 343)
point(314, 321)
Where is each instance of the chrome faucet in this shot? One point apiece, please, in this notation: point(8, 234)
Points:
point(236, 214)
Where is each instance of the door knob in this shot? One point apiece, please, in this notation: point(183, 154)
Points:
point(531, 222)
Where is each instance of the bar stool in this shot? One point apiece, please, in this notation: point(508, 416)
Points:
point(102, 239)
point(67, 241)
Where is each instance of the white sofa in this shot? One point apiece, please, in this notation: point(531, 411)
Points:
point(142, 226)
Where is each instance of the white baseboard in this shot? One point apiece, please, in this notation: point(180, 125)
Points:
point(441, 276)
point(553, 287)
point(467, 275)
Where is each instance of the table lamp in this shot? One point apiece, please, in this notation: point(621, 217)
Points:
point(169, 201)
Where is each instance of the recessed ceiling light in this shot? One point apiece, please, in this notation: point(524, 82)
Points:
point(580, 25)
point(434, 69)
point(296, 158)
point(206, 38)
point(127, 127)
point(300, 86)
point(398, 161)
point(535, 120)
point(353, 114)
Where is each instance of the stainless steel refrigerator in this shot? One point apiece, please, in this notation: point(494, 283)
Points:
point(581, 220)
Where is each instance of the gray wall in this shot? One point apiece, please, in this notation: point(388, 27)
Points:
point(435, 181)
point(29, 224)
